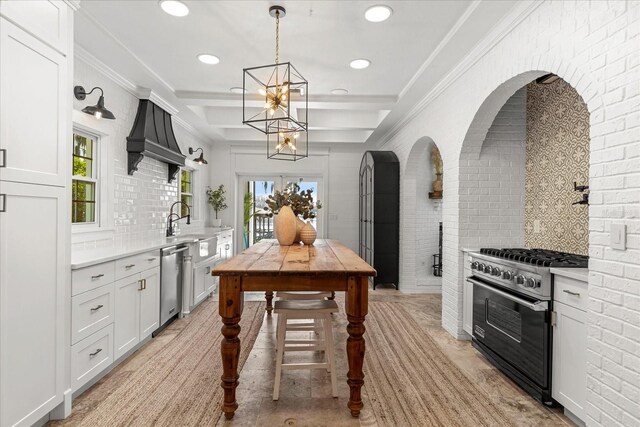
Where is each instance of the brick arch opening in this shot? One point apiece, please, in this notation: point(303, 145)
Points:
point(484, 220)
point(420, 218)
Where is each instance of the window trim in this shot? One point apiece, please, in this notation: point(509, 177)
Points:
point(95, 178)
point(194, 199)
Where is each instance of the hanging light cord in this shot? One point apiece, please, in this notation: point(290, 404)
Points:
point(277, 35)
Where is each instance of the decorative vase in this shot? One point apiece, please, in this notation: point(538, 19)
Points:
point(308, 234)
point(299, 226)
point(285, 224)
point(217, 222)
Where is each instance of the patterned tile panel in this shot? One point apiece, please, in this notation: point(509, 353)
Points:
point(557, 154)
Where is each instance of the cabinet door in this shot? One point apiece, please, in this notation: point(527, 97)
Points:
point(127, 314)
point(199, 286)
point(150, 302)
point(569, 376)
point(32, 306)
point(32, 154)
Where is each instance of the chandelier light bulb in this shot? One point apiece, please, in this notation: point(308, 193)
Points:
point(262, 92)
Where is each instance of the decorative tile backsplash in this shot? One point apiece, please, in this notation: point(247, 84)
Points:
point(557, 154)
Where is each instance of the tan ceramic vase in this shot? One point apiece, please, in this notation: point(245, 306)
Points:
point(308, 234)
point(285, 225)
point(299, 226)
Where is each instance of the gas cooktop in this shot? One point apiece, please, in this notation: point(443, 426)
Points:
point(539, 257)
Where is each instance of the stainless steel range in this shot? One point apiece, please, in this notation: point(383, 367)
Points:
point(512, 293)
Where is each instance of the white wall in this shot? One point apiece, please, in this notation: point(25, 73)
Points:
point(138, 204)
point(594, 47)
point(339, 167)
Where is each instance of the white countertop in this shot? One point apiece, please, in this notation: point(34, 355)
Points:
point(85, 258)
point(581, 274)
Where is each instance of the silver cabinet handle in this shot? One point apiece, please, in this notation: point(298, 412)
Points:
point(96, 308)
point(151, 259)
point(129, 266)
point(226, 247)
point(97, 277)
point(140, 283)
point(95, 352)
point(4, 202)
point(575, 294)
point(3, 151)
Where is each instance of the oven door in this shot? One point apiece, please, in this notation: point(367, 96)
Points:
point(515, 328)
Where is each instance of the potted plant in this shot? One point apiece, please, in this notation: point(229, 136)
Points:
point(217, 200)
point(300, 202)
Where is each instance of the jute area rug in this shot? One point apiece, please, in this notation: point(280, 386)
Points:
point(179, 386)
point(411, 382)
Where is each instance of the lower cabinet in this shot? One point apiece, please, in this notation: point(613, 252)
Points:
point(137, 309)
point(569, 370)
point(90, 356)
point(203, 282)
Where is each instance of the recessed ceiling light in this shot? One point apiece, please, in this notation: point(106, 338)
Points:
point(339, 91)
point(207, 58)
point(237, 89)
point(359, 64)
point(174, 7)
point(378, 13)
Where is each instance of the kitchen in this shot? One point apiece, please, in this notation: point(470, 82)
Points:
point(475, 102)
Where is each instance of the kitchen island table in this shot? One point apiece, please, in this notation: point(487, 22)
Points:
point(327, 265)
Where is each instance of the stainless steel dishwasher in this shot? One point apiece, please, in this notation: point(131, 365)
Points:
point(171, 283)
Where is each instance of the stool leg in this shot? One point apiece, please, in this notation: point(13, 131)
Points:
point(281, 332)
point(330, 353)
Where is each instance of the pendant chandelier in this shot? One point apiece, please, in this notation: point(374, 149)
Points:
point(275, 101)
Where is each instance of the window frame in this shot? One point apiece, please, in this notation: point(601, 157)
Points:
point(94, 179)
point(194, 209)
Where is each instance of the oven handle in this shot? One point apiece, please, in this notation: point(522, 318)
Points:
point(535, 306)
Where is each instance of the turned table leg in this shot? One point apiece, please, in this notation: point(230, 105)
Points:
point(230, 309)
point(356, 308)
point(269, 297)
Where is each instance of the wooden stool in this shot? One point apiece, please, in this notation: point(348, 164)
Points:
point(305, 309)
point(301, 295)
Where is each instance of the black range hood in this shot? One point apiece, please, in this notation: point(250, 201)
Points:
point(152, 136)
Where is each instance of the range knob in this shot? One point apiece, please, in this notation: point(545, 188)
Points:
point(520, 279)
point(507, 275)
point(481, 267)
point(529, 282)
point(488, 269)
point(496, 271)
point(474, 265)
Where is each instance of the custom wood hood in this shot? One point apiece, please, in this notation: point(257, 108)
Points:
point(152, 136)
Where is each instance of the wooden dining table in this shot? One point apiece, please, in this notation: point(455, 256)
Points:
point(327, 265)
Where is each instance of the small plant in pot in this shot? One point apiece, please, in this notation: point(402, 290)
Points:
point(217, 200)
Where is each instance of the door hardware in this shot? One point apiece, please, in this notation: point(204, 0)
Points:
point(575, 294)
point(554, 318)
point(151, 259)
point(144, 283)
point(129, 266)
point(140, 283)
point(95, 352)
point(97, 277)
point(4, 202)
point(98, 307)
point(3, 151)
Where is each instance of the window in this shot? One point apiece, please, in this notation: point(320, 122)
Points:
point(186, 191)
point(84, 185)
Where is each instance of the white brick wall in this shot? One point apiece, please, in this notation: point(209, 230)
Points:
point(140, 201)
point(595, 47)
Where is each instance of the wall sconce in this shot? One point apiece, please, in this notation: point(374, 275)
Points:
point(98, 111)
point(199, 160)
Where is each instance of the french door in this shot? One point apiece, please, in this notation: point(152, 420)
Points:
point(256, 224)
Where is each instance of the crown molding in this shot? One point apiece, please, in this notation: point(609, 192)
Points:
point(501, 30)
point(86, 57)
point(144, 93)
point(73, 4)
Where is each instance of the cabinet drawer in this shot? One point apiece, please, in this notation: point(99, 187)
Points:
point(91, 312)
point(88, 278)
point(571, 292)
point(137, 263)
point(225, 237)
point(90, 356)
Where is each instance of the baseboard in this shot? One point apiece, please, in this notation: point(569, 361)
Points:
point(63, 410)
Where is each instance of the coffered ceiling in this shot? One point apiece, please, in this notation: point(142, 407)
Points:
point(409, 53)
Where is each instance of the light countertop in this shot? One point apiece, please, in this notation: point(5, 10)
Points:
point(581, 274)
point(86, 258)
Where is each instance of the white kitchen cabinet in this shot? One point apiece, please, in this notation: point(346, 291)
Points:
point(569, 371)
point(32, 300)
point(467, 298)
point(33, 154)
point(137, 309)
point(91, 356)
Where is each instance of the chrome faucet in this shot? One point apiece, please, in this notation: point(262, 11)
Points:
point(170, 221)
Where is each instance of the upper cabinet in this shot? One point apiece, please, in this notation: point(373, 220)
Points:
point(47, 20)
point(34, 114)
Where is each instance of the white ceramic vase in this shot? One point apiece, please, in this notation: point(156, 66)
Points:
point(285, 225)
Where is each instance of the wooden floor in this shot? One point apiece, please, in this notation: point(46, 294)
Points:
point(305, 396)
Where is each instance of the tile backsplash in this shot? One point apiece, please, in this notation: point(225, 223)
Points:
point(557, 154)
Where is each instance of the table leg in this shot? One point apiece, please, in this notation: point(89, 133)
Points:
point(269, 297)
point(230, 309)
point(356, 305)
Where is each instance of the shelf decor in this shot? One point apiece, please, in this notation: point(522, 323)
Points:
point(275, 101)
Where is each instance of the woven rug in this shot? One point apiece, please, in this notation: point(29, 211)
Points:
point(179, 386)
point(411, 382)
